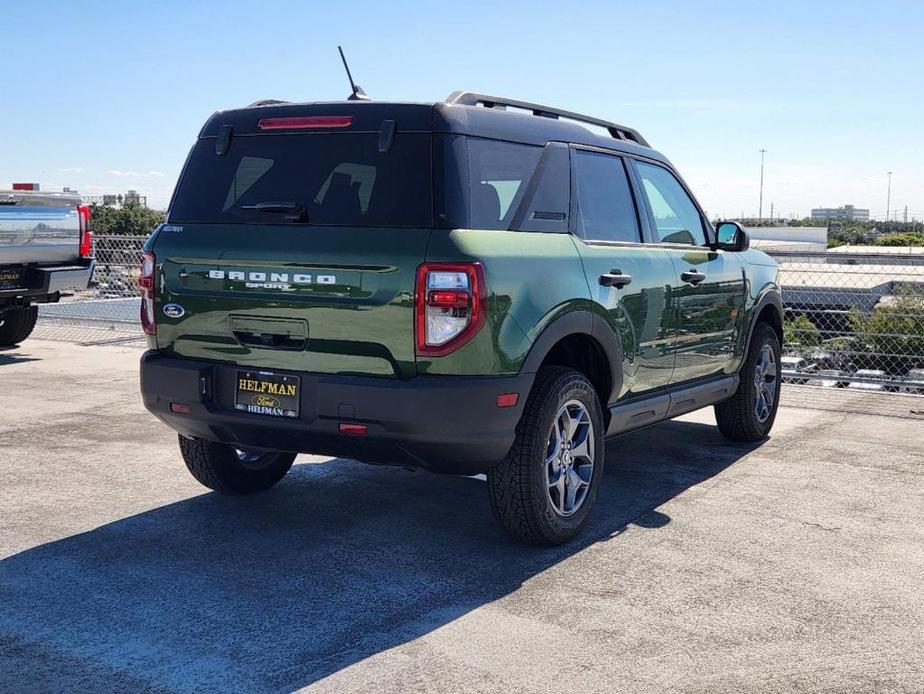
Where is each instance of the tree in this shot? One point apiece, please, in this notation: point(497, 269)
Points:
point(900, 239)
point(801, 331)
point(854, 234)
point(894, 331)
point(132, 219)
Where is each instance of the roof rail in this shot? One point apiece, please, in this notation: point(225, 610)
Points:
point(620, 132)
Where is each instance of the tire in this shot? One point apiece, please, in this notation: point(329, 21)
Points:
point(17, 325)
point(742, 417)
point(227, 470)
point(526, 498)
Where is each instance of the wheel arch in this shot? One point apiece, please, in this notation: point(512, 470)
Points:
point(584, 341)
point(768, 309)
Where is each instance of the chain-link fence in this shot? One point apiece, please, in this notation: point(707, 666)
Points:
point(108, 310)
point(854, 319)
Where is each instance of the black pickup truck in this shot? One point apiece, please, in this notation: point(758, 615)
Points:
point(45, 250)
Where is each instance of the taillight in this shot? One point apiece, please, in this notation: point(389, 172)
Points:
point(148, 292)
point(451, 303)
point(86, 240)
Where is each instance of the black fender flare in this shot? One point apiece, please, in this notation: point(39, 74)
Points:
point(771, 297)
point(579, 322)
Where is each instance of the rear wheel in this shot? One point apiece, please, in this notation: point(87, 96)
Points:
point(543, 491)
point(749, 414)
point(231, 470)
point(16, 325)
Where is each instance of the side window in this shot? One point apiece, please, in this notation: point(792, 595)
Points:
point(499, 173)
point(605, 208)
point(676, 218)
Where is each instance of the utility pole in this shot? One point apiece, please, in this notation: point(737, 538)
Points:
point(906, 214)
point(889, 196)
point(771, 212)
point(760, 209)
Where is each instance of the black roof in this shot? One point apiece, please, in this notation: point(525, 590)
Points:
point(523, 122)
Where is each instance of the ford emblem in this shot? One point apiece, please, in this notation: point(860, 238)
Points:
point(174, 311)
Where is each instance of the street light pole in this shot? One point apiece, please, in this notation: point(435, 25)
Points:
point(760, 209)
point(889, 196)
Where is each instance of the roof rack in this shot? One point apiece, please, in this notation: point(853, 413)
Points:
point(620, 132)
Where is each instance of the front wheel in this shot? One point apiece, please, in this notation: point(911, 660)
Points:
point(544, 489)
point(230, 470)
point(16, 325)
point(749, 414)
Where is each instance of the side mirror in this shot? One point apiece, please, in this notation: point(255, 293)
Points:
point(731, 236)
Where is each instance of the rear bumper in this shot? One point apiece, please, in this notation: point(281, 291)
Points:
point(444, 424)
point(43, 281)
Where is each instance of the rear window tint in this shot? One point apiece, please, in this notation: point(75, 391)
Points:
point(339, 179)
point(499, 173)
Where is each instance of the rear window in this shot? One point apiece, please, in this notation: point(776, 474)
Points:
point(339, 179)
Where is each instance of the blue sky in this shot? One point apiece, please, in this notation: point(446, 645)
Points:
point(106, 96)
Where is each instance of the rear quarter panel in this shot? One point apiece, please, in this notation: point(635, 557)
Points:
point(532, 279)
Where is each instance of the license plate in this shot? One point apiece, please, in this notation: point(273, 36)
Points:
point(10, 278)
point(263, 392)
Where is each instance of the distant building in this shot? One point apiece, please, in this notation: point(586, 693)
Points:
point(116, 200)
point(837, 214)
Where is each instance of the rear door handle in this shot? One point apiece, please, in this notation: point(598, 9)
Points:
point(692, 277)
point(616, 279)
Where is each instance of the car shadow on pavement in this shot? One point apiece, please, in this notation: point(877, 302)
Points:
point(274, 592)
point(7, 358)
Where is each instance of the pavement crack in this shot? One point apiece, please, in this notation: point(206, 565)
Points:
point(823, 527)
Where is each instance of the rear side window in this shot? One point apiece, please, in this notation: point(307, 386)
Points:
point(492, 184)
point(499, 173)
point(334, 179)
point(605, 207)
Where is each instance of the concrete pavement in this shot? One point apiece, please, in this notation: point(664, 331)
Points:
point(795, 565)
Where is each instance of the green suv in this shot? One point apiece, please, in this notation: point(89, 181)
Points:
point(479, 285)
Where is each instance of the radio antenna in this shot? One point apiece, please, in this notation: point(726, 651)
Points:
point(357, 92)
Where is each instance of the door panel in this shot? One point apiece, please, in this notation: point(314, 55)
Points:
point(710, 314)
point(638, 313)
point(708, 288)
point(607, 223)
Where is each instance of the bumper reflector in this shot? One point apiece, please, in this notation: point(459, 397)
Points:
point(353, 429)
point(508, 399)
point(180, 408)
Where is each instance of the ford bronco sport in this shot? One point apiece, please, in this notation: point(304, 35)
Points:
point(480, 285)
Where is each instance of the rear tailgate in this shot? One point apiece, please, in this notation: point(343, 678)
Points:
point(325, 300)
point(38, 228)
point(293, 240)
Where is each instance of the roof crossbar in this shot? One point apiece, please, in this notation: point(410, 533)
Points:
point(620, 132)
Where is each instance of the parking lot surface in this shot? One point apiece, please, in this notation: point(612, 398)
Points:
point(795, 565)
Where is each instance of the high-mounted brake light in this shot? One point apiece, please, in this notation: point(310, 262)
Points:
point(86, 239)
point(148, 293)
point(301, 122)
point(450, 306)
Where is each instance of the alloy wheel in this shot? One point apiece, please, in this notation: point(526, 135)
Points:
point(569, 462)
point(765, 376)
